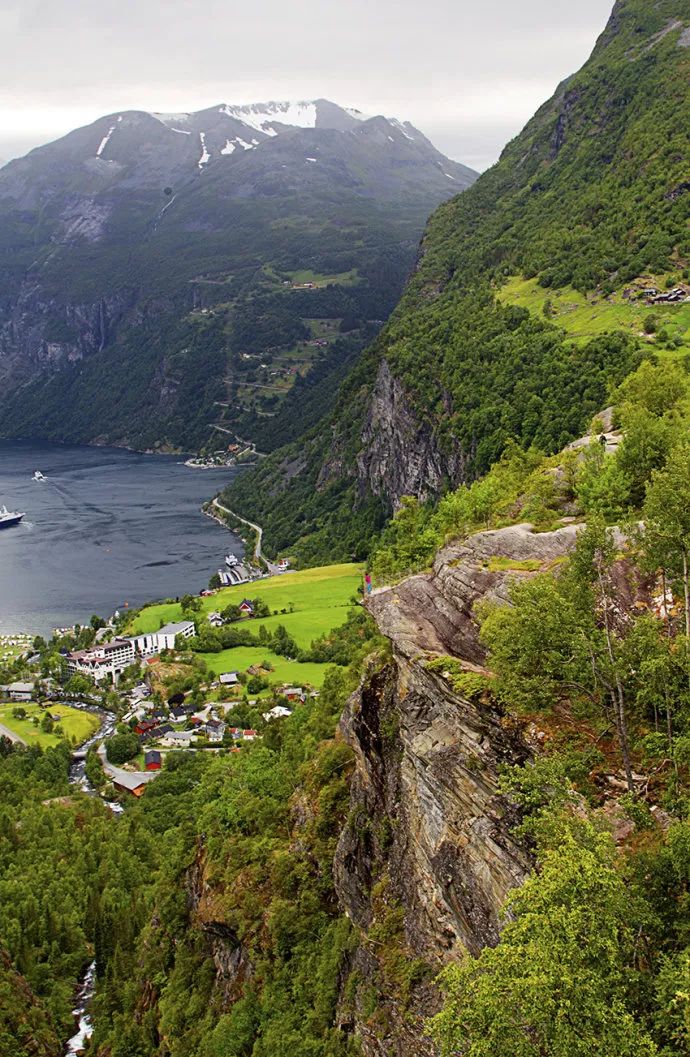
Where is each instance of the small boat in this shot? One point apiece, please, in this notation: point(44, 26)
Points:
point(9, 517)
point(38, 476)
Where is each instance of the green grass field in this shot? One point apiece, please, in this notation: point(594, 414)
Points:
point(304, 275)
point(284, 671)
point(585, 317)
point(320, 600)
point(75, 724)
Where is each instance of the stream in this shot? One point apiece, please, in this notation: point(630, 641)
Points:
point(81, 1012)
point(77, 777)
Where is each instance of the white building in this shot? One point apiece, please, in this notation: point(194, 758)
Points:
point(146, 645)
point(179, 739)
point(215, 729)
point(278, 712)
point(151, 643)
point(168, 633)
point(105, 659)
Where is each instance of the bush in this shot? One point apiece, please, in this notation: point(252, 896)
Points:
point(122, 747)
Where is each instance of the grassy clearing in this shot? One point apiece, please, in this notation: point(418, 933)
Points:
point(309, 603)
point(305, 275)
point(77, 726)
point(284, 671)
point(586, 317)
point(313, 594)
point(529, 565)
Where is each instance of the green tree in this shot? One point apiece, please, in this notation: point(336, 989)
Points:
point(647, 441)
point(190, 604)
point(557, 985)
point(601, 484)
point(656, 388)
point(666, 514)
point(122, 747)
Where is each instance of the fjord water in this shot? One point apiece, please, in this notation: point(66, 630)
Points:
point(108, 527)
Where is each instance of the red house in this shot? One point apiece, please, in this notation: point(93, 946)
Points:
point(144, 726)
point(152, 760)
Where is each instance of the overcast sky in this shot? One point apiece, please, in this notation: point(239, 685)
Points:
point(468, 73)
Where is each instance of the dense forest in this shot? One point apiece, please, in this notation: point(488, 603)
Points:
point(78, 884)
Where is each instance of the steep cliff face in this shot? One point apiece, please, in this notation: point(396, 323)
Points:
point(40, 335)
point(231, 961)
point(430, 843)
point(399, 454)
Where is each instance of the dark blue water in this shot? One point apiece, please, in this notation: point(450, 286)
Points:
point(107, 528)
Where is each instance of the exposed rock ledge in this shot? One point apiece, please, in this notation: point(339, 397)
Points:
point(426, 815)
point(434, 612)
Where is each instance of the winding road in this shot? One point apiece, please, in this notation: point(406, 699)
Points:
point(259, 556)
point(257, 528)
point(5, 732)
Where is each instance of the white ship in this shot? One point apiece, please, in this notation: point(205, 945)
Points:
point(9, 517)
point(38, 476)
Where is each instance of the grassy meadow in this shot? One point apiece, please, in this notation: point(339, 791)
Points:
point(586, 317)
point(76, 725)
point(309, 603)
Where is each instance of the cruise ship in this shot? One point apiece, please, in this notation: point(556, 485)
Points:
point(9, 517)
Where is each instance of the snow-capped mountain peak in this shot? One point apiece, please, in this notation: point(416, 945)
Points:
point(263, 117)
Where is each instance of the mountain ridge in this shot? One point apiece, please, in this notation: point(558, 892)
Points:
point(118, 237)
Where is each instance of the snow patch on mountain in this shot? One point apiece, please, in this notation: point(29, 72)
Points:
point(106, 139)
point(205, 156)
point(263, 116)
point(401, 127)
point(229, 147)
point(169, 119)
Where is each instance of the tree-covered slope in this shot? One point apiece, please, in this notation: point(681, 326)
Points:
point(592, 194)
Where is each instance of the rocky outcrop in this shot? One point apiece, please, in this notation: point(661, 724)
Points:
point(41, 335)
point(232, 963)
point(427, 822)
point(399, 455)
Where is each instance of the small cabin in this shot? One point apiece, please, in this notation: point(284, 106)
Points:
point(152, 760)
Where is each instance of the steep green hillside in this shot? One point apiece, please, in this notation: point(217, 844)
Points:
point(592, 195)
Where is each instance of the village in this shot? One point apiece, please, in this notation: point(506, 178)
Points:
point(146, 724)
point(126, 694)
